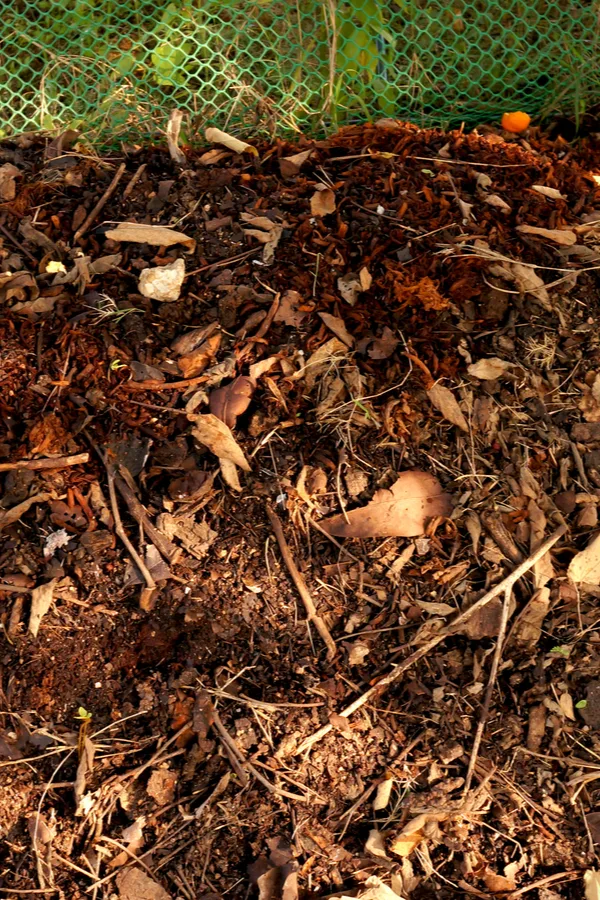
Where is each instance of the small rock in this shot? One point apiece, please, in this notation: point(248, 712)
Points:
point(163, 282)
point(134, 884)
point(161, 786)
point(591, 711)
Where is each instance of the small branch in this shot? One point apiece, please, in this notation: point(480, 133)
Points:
point(59, 462)
point(301, 584)
point(137, 510)
point(134, 180)
point(485, 709)
point(120, 531)
point(505, 585)
point(91, 218)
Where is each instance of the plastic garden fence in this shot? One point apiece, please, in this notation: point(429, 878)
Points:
point(117, 67)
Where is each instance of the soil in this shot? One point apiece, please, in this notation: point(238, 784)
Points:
point(159, 724)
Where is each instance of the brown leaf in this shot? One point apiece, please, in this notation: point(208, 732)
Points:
point(530, 283)
point(214, 434)
point(12, 515)
point(402, 511)
point(85, 766)
point(41, 600)
point(351, 285)
point(290, 165)
point(8, 185)
point(497, 884)
point(322, 202)
point(322, 359)
point(563, 236)
point(528, 627)
point(194, 363)
point(444, 400)
point(134, 884)
point(288, 312)
point(383, 347)
point(157, 235)
point(231, 401)
point(190, 340)
point(337, 325)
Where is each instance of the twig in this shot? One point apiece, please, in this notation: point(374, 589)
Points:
point(384, 682)
point(91, 218)
point(173, 129)
point(59, 462)
point(221, 262)
point(134, 180)
point(164, 546)
point(17, 243)
point(301, 584)
point(148, 591)
point(485, 709)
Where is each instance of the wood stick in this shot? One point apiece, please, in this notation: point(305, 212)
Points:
point(137, 510)
point(487, 702)
point(134, 180)
point(91, 218)
point(59, 462)
point(148, 592)
point(393, 676)
point(298, 580)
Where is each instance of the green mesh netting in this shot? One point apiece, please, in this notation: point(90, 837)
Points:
point(117, 67)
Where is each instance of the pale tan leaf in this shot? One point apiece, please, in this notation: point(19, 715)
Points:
point(375, 889)
point(84, 767)
point(229, 473)
point(322, 202)
point(375, 844)
point(489, 369)
point(549, 192)
point(328, 353)
point(260, 368)
point(214, 434)
point(216, 136)
point(528, 627)
point(157, 235)
point(290, 165)
point(565, 701)
point(444, 400)
point(529, 282)
point(262, 222)
point(384, 792)
point(436, 609)
point(563, 236)
point(12, 515)
point(497, 202)
point(336, 324)
point(8, 186)
point(41, 601)
point(288, 311)
point(173, 129)
point(497, 883)
point(402, 511)
point(365, 278)
point(591, 881)
point(585, 565)
point(350, 286)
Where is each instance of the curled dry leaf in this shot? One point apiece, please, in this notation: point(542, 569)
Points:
point(528, 627)
point(401, 511)
point(214, 434)
point(290, 165)
point(384, 792)
point(563, 236)
point(351, 285)
point(156, 235)
point(266, 231)
point(229, 473)
point(549, 192)
point(323, 358)
point(41, 600)
point(190, 340)
point(229, 402)
point(216, 136)
point(444, 400)
point(195, 362)
point(12, 515)
point(489, 369)
point(585, 565)
point(322, 202)
point(497, 202)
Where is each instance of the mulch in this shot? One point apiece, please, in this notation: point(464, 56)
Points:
point(384, 304)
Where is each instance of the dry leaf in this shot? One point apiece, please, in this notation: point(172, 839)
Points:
point(331, 351)
point(85, 766)
point(529, 283)
point(375, 890)
point(591, 881)
point(229, 402)
point(156, 235)
point(212, 157)
point(497, 883)
point(266, 231)
point(12, 515)
point(134, 884)
point(351, 285)
point(383, 347)
point(41, 600)
point(8, 185)
point(384, 792)
point(173, 129)
point(585, 565)
point(261, 367)
point(216, 136)
point(288, 312)
point(528, 627)
point(436, 609)
point(214, 434)
point(497, 202)
point(322, 202)
point(489, 369)
point(414, 832)
point(444, 400)
point(565, 237)
point(290, 165)
point(402, 511)
point(565, 701)
point(336, 324)
point(194, 363)
point(375, 845)
point(549, 192)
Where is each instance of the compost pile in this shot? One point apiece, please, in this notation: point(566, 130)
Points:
point(273, 419)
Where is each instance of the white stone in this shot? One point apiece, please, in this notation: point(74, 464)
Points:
point(163, 282)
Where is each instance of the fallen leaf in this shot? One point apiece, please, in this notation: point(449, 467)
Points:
point(375, 845)
point(591, 881)
point(260, 368)
point(231, 401)
point(365, 278)
point(489, 369)
point(401, 511)
point(264, 230)
point(565, 237)
point(323, 358)
point(497, 202)
point(444, 400)
point(351, 285)
point(383, 347)
point(214, 434)
point(359, 650)
point(104, 264)
point(37, 237)
point(41, 600)
point(290, 165)
point(585, 565)
point(528, 626)
point(436, 609)
point(549, 192)
point(216, 136)
point(212, 157)
point(529, 282)
point(190, 340)
point(173, 130)
point(288, 311)
point(12, 515)
point(322, 202)
point(229, 474)
point(565, 701)
point(156, 235)
point(8, 184)
point(497, 883)
point(133, 838)
point(375, 890)
point(195, 362)
point(384, 792)
point(134, 884)
point(336, 324)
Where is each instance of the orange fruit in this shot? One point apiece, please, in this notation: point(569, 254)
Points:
point(515, 121)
